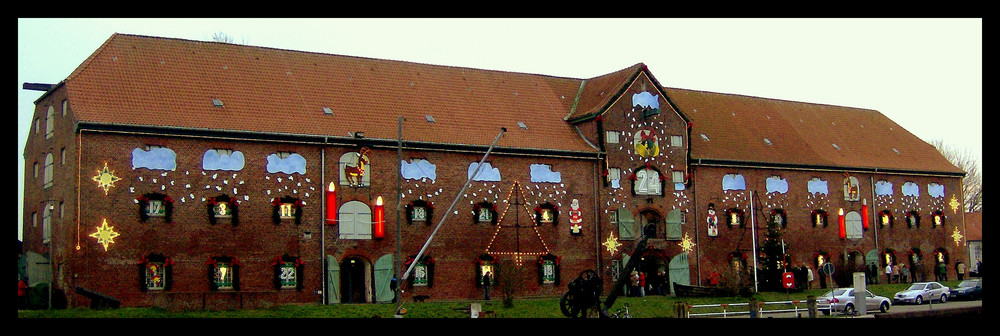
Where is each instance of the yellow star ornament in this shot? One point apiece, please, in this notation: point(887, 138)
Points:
point(106, 179)
point(611, 244)
point(105, 234)
point(686, 244)
point(957, 236)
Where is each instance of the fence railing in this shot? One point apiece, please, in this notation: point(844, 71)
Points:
point(744, 309)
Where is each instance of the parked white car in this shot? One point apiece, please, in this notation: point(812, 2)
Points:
point(920, 292)
point(841, 300)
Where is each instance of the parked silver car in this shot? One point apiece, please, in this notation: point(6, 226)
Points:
point(922, 291)
point(841, 300)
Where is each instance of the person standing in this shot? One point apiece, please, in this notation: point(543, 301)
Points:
point(809, 277)
point(634, 289)
point(942, 272)
point(888, 273)
point(960, 268)
point(486, 285)
point(904, 274)
point(642, 283)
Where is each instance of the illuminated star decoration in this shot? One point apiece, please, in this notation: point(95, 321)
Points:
point(105, 234)
point(954, 204)
point(106, 179)
point(957, 236)
point(611, 244)
point(686, 244)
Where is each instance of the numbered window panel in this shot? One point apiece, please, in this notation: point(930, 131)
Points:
point(485, 215)
point(156, 208)
point(286, 210)
point(547, 215)
point(420, 275)
point(221, 209)
point(286, 276)
point(647, 182)
point(419, 214)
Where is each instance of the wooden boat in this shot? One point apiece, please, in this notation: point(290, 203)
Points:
point(698, 291)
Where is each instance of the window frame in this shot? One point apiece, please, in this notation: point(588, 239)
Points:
point(357, 222)
point(641, 184)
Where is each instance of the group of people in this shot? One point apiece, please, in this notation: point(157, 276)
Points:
point(897, 274)
point(638, 285)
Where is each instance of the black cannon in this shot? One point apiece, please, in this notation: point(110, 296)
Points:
point(98, 300)
point(584, 293)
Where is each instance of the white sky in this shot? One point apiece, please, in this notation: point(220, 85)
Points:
point(924, 74)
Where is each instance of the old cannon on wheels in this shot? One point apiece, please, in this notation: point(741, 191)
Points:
point(585, 291)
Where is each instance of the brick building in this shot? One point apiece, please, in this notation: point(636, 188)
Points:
point(191, 174)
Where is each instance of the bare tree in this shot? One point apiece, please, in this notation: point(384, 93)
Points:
point(225, 38)
point(972, 185)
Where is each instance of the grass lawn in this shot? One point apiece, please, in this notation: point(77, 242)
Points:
point(641, 307)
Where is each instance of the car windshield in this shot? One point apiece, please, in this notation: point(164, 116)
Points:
point(917, 287)
point(835, 292)
point(968, 283)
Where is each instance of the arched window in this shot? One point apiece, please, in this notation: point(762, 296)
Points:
point(355, 220)
point(47, 173)
point(354, 169)
point(49, 122)
point(852, 221)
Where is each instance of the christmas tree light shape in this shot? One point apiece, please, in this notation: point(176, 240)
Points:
point(516, 234)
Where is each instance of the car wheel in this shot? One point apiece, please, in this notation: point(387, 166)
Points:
point(919, 300)
point(849, 309)
point(884, 307)
point(944, 298)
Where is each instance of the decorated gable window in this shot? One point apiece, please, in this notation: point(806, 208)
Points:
point(287, 272)
point(676, 141)
point(852, 191)
point(779, 218)
point(885, 218)
point(912, 219)
point(223, 206)
point(155, 205)
point(156, 272)
point(647, 181)
point(224, 272)
point(937, 218)
point(419, 211)
point(355, 169)
point(355, 220)
point(546, 213)
point(819, 218)
point(484, 212)
point(615, 177)
point(423, 271)
point(734, 217)
point(548, 269)
point(286, 208)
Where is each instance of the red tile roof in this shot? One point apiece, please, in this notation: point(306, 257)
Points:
point(137, 80)
point(152, 81)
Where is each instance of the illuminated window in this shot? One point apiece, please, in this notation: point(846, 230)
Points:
point(647, 182)
point(156, 272)
point(223, 276)
point(155, 208)
point(223, 206)
point(546, 213)
point(222, 209)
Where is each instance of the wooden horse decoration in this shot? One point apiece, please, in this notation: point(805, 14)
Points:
point(356, 173)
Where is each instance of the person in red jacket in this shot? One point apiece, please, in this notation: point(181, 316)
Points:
point(642, 283)
point(22, 294)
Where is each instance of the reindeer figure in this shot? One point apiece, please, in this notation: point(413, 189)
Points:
point(357, 172)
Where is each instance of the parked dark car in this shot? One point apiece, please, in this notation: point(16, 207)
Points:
point(970, 289)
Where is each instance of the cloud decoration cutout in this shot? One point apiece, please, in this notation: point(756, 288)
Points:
point(487, 173)
point(910, 189)
point(156, 158)
point(733, 182)
point(646, 99)
point(294, 163)
point(213, 160)
point(418, 169)
point(935, 190)
point(883, 188)
point(817, 185)
point(776, 184)
point(544, 173)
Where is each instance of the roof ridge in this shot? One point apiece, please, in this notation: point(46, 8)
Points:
point(772, 99)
